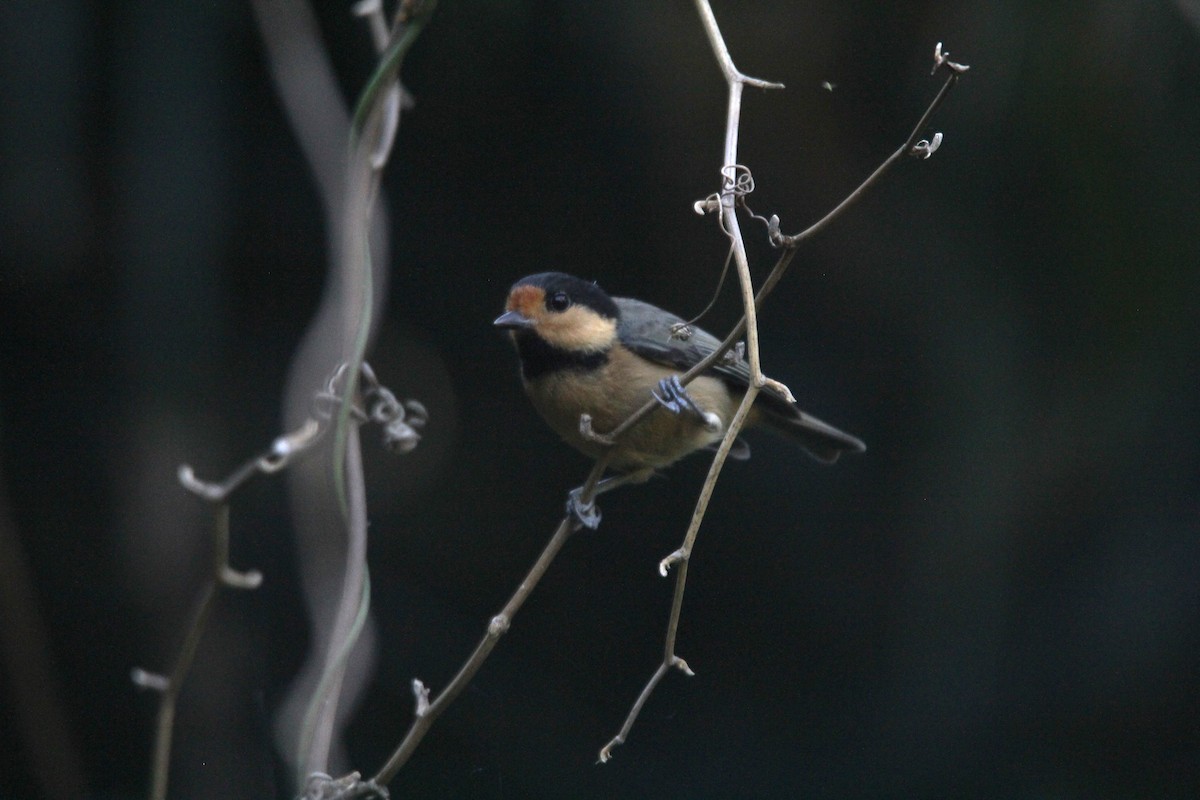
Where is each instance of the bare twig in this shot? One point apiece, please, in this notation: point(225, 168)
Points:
point(911, 147)
point(789, 245)
point(738, 183)
point(170, 685)
point(317, 731)
point(735, 184)
point(36, 706)
point(427, 711)
point(281, 453)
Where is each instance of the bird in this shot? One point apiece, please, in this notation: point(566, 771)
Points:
point(584, 352)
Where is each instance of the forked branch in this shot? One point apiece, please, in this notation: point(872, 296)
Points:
point(223, 575)
point(728, 201)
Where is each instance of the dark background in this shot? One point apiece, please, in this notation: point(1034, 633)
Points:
point(1001, 598)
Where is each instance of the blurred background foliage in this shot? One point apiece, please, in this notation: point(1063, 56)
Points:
point(1001, 598)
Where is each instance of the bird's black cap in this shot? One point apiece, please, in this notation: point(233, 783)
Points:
point(580, 292)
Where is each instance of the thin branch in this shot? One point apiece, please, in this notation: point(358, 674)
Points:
point(909, 148)
point(281, 453)
point(733, 191)
point(171, 685)
point(790, 244)
point(342, 330)
point(37, 706)
point(411, 18)
point(427, 712)
point(735, 185)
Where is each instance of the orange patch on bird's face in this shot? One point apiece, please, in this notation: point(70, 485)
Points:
point(578, 328)
point(528, 301)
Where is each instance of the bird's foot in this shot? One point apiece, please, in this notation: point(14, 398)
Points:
point(586, 514)
point(672, 396)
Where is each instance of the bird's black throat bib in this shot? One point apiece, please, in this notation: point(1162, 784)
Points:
point(538, 357)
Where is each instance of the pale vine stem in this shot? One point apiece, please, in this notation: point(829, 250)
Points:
point(350, 193)
point(348, 182)
point(371, 137)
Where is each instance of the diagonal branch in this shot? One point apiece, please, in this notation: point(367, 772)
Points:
point(911, 147)
point(428, 711)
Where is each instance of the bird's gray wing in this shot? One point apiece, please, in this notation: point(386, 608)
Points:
point(648, 331)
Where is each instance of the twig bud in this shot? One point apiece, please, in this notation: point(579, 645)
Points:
point(149, 680)
point(941, 58)
point(926, 147)
point(421, 693)
point(251, 579)
point(399, 437)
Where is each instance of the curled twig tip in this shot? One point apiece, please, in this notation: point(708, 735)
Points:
point(774, 234)
point(234, 579)
point(735, 355)
point(149, 680)
point(708, 205)
point(189, 481)
point(421, 693)
point(681, 331)
point(738, 180)
point(399, 437)
point(606, 752)
point(941, 58)
point(321, 786)
point(759, 83)
point(400, 421)
point(665, 565)
point(591, 434)
point(926, 147)
point(778, 388)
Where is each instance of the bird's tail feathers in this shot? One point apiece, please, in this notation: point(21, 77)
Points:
point(820, 439)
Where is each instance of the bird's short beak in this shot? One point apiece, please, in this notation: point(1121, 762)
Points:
point(514, 320)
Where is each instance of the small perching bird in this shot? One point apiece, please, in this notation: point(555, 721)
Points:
point(583, 352)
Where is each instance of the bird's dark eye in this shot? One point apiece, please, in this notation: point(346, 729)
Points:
point(559, 301)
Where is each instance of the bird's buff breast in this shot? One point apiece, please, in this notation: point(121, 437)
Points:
point(610, 394)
